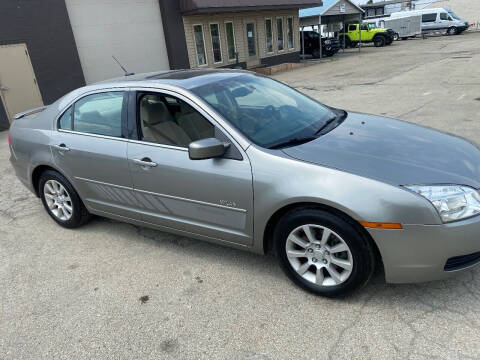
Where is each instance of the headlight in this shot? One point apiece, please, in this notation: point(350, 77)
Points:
point(328, 42)
point(453, 202)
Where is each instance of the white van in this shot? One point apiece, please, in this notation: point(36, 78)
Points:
point(437, 19)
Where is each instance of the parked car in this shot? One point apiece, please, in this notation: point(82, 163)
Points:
point(239, 159)
point(330, 46)
point(437, 19)
point(379, 37)
point(402, 27)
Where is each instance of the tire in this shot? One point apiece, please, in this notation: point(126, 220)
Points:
point(379, 41)
point(330, 53)
point(58, 196)
point(314, 261)
point(353, 44)
point(452, 31)
point(396, 37)
point(348, 43)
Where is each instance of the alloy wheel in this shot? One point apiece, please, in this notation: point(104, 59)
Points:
point(319, 255)
point(58, 200)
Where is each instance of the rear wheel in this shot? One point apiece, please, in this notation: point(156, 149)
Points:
point(323, 253)
point(379, 41)
point(396, 37)
point(452, 31)
point(61, 200)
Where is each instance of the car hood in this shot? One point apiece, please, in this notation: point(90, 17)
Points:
point(393, 151)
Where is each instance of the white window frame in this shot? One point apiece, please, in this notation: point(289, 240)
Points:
point(283, 33)
point(293, 33)
point(273, 36)
point(204, 45)
point(219, 41)
point(234, 41)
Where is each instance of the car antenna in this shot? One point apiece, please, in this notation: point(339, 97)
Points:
point(126, 73)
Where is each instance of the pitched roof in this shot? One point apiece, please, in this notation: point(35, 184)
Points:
point(327, 5)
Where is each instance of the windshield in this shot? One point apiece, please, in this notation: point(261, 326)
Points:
point(453, 14)
point(264, 110)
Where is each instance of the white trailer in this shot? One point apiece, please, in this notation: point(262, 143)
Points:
point(404, 27)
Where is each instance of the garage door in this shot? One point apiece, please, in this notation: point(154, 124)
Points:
point(132, 31)
point(18, 85)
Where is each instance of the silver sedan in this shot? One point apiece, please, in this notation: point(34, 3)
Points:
point(242, 160)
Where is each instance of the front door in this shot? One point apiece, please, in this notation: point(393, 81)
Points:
point(18, 85)
point(252, 46)
point(212, 198)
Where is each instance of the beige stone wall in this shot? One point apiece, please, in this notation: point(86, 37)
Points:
point(239, 20)
point(467, 9)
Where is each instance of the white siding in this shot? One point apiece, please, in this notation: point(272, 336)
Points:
point(131, 30)
point(239, 19)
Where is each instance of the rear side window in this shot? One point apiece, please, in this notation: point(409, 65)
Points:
point(99, 114)
point(65, 121)
point(352, 27)
point(429, 17)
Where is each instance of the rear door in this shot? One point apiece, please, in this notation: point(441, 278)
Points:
point(353, 32)
point(90, 147)
point(429, 22)
point(212, 197)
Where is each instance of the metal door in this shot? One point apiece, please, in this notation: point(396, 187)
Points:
point(18, 86)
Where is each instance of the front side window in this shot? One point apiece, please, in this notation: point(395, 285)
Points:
point(199, 45)
point(217, 49)
point(167, 120)
point(280, 34)
point(99, 114)
point(444, 16)
point(290, 33)
point(230, 34)
point(264, 110)
point(269, 35)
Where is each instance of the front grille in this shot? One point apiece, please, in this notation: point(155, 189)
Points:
point(462, 262)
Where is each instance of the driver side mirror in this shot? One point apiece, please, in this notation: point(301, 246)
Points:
point(207, 149)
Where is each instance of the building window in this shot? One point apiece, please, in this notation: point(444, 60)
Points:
point(230, 35)
point(199, 45)
point(252, 47)
point(280, 34)
point(269, 35)
point(290, 32)
point(216, 47)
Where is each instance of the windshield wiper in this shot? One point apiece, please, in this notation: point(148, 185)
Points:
point(292, 142)
point(339, 118)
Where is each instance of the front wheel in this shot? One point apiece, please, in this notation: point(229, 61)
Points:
point(379, 41)
point(452, 31)
point(323, 253)
point(61, 200)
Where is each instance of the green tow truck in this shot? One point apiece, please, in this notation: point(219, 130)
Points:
point(379, 37)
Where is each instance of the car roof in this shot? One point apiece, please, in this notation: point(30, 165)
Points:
point(186, 79)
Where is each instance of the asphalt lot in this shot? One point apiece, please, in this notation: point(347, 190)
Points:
point(76, 294)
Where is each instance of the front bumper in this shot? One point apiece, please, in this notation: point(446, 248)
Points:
point(419, 253)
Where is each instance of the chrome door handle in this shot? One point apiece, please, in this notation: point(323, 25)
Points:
point(61, 147)
point(145, 162)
